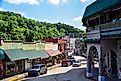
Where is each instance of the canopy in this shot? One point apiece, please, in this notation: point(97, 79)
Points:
point(15, 54)
point(2, 56)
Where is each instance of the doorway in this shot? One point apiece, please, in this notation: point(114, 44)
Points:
point(113, 62)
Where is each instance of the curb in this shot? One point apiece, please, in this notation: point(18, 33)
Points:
point(18, 77)
point(21, 76)
point(53, 67)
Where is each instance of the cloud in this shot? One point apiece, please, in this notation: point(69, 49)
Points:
point(1, 9)
point(79, 20)
point(19, 12)
point(83, 1)
point(31, 2)
point(57, 2)
point(64, 1)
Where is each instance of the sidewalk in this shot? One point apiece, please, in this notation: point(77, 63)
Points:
point(21, 76)
point(95, 77)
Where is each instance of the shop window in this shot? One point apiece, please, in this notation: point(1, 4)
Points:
point(10, 68)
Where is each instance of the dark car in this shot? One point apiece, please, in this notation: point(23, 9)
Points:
point(37, 70)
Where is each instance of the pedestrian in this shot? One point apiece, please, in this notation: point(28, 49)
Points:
point(119, 73)
point(109, 70)
point(105, 70)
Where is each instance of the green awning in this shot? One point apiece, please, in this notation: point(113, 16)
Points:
point(18, 54)
point(100, 5)
point(111, 35)
point(43, 54)
point(33, 54)
point(92, 41)
point(2, 55)
point(15, 54)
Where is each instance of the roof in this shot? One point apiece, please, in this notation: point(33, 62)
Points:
point(33, 54)
point(15, 54)
point(2, 56)
point(53, 52)
point(99, 5)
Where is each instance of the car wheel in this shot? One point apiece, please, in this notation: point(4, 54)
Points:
point(46, 72)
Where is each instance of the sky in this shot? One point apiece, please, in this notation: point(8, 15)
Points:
point(53, 11)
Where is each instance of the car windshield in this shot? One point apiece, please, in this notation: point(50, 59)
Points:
point(35, 67)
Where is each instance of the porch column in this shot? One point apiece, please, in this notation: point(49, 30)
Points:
point(89, 69)
point(101, 76)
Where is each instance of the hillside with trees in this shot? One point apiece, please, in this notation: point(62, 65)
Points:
point(13, 26)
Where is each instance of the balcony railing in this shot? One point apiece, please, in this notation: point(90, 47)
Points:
point(114, 24)
point(94, 32)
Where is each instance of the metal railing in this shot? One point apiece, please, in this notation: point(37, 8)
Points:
point(114, 24)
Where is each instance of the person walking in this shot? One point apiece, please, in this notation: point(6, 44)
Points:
point(119, 73)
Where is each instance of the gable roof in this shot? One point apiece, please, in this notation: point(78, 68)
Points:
point(99, 5)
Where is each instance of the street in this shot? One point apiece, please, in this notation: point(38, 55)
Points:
point(62, 74)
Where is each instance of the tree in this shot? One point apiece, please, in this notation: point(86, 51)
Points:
point(15, 27)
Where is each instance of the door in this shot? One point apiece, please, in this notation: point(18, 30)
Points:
point(113, 62)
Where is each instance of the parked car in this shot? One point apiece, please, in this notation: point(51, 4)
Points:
point(71, 59)
point(66, 63)
point(37, 69)
point(76, 63)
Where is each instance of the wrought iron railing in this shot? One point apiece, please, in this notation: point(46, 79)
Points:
point(114, 24)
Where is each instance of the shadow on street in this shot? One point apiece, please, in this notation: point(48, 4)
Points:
point(76, 74)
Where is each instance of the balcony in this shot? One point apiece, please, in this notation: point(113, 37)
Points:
point(111, 28)
point(113, 24)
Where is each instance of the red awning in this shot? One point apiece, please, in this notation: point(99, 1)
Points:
point(53, 52)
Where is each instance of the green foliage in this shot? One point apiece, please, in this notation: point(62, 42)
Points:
point(15, 27)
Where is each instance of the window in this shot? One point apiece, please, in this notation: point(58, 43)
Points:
point(34, 67)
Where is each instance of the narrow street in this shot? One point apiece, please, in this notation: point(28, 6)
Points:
point(62, 74)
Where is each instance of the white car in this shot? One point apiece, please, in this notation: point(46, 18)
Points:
point(37, 69)
point(76, 63)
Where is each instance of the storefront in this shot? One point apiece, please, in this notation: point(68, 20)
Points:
point(12, 63)
point(36, 57)
point(54, 55)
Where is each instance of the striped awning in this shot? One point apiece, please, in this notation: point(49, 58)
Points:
point(53, 52)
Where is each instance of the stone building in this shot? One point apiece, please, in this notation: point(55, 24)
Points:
point(103, 21)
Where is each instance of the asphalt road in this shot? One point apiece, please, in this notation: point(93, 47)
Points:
point(62, 74)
